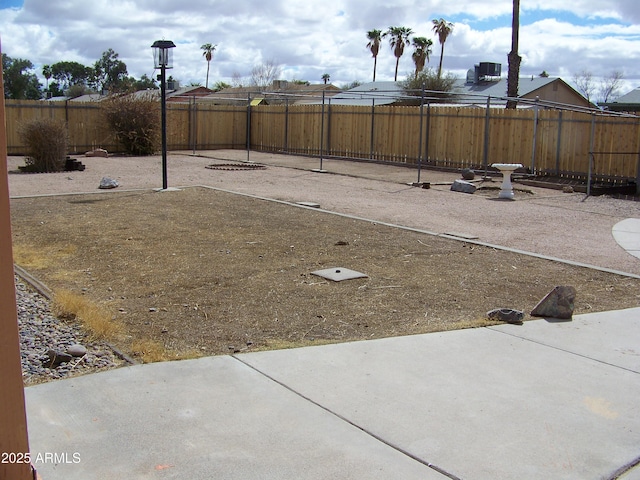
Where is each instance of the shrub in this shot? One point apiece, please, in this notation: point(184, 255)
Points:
point(435, 87)
point(46, 141)
point(135, 121)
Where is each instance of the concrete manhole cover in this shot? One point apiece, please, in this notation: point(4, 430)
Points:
point(338, 274)
point(236, 166)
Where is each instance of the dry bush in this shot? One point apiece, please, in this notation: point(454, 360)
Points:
point(46, 141)
point(135, 122)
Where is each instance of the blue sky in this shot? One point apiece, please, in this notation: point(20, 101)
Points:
point(311, 37)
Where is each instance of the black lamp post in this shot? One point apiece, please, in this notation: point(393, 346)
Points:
point(163, 59)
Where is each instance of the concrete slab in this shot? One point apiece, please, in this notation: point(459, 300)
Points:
point(607, 337)
point(476, 403)
point(198, 419)
point(627, 234)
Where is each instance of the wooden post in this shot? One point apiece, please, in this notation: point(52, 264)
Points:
point(14, 441)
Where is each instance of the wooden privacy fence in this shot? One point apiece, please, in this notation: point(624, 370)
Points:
point(565, 143)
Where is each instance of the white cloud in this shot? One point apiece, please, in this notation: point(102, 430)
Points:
point(312, 37)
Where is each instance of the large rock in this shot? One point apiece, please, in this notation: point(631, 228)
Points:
point(557, 304)
point(468, 174)
point(463, 186)
point(107, 182)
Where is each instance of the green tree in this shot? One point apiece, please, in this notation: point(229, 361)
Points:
point(46, 71)
point(208, 55)
point(398, 38)
point(443, 29)
point(421, 52)
point(438, 87)
point(514, 59)
point(374, 37)
point(19, 82)
point(70, 73)
point(326, 77)
point(110, 73)
point(220, 86)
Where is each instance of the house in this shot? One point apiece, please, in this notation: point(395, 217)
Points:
point(279, 92)
point(476, 88)
point(368, 94)
point(629, 103)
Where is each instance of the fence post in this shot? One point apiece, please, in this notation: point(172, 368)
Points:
point(485, 153)
point(638, 167)
point(559, 142)
point(535, 134)
point(321, 130)
point(591, 154)
point(248, 124)
point(420, 135)
point(373, 104)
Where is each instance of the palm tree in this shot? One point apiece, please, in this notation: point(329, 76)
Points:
point(422, 50)
point(46, 71)
point(443, 29)
point(326, 77)
point(514, 58)
point(399, 38)
point(374, 37)
point(208, 54)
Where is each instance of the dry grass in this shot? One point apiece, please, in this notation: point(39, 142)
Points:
point(96, 319)
point(200, 272)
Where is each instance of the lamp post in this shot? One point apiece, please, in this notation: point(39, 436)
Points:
point(163, 59)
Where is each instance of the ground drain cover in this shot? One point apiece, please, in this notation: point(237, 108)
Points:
point(338, 274)
point(236, 166)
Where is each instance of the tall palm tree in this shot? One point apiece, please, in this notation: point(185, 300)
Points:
point(399, 37)
point(208, 54)
point(46, 71)
point(374, 37)
point(513, 57)
point(443, 29)
point(421, 52)
point(326, 77)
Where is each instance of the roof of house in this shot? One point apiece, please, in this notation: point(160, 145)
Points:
point(299, 92)
point(367, 94)
point(629, 102)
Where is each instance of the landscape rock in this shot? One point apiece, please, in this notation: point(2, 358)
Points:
point(98, 152)
point(107, 182)
point(77, 350)
point(55, 358)
point(463, 186)
point(468, 174)
point(506, 315)
point(558, 303)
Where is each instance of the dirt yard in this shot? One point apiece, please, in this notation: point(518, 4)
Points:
point(200, 271)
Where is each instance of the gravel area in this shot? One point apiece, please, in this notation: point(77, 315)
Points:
point(41, 332)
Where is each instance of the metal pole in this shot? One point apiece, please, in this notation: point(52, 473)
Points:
point(591, 159)
point(535, 135)
point(420, 136)
point(14, 438)
point(485, 153)
point(322, 130)
point(248, 124)
point(373, 105)
point(163, 95)
point(559, 142)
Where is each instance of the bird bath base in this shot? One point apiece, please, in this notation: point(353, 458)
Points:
point(506, 190)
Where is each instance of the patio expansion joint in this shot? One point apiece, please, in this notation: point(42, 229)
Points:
point(562, 350)
point(346, 420)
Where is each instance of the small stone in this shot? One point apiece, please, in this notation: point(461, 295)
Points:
point(77, 350)
point(567, 189)
point(506, 315)
point(558, 303)
point(468, 174)
point(98, 152)
point(55, 358)
point(107, 182)
point(463, 186)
